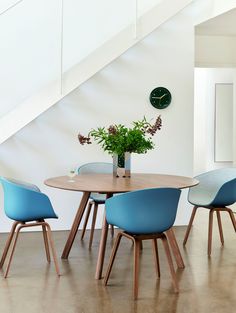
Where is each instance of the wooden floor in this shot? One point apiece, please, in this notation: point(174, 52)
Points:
point(206, 285)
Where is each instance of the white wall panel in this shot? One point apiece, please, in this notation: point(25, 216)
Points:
point(32, 32)
point(88, 24)
point(145, 5)
point(223, 122)
point(30, 50)
point(7, 4)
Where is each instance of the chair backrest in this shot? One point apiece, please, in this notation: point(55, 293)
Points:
point(21, 183)
point(144, 211)
point(216, 188)
point(24, 201)
point(96, 167)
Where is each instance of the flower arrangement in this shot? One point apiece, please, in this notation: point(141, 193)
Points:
point(118, 139)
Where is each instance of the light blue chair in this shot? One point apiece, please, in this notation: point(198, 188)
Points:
point(216, 190)
point(28, 207)
point(96, 198)
point(143, 214)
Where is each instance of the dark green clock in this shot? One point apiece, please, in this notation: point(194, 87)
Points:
point(160, 98)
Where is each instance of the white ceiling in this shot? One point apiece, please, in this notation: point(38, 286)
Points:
point(222, 25)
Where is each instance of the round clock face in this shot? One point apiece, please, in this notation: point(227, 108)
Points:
point(160, 98)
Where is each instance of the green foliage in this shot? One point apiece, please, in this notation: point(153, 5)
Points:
point(120, 139)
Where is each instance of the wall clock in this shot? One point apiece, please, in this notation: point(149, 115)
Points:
point(160, 98)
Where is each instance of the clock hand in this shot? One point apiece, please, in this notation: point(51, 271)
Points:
point(163, 96)
point(156, 97)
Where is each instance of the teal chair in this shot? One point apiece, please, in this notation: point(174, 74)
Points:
point(96, 198)
point(28, 207)
point(216, 190)
point(143, 214)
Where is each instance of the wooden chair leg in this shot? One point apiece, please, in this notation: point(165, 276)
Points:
point(8, 243)
point(190, 224)
point(112, 231)
point(136, 268)
point(170, 262)
point(112, 257)
point(49, 232)
point(210, 231)
point(12, 251)
point(45, 238)
point(141, 245)
point(93, 224)
point(231, 214)
point(86, 219)
point(175, 247)
point(156, 256)
point(220, 227)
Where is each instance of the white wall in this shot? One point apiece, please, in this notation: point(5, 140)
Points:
point(215, 51)
point(41, 40)
point(119, 93)
point(220, 6)
point(49, 49)
point(30, 50)
point(204, 116)
point(215, 59)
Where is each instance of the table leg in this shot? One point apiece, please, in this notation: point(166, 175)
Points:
point(75, 225)
point(102, 249)
point(175, 248)
point(102, 245)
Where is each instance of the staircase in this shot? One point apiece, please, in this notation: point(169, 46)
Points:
point(49, 48)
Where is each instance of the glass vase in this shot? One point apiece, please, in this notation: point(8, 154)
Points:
point(121, 165)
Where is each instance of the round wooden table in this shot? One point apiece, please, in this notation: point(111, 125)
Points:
point(106, 183)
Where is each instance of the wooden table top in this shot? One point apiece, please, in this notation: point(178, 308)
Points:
point(106, 183)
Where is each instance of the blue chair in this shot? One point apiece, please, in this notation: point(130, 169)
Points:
point(143, 214)
point(216, 190)
point(96, 198)
point(28, 207)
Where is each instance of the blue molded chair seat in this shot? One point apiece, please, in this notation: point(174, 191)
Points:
point(216, 190)
point(23, 203)
point(96, 198)
point(143, 214)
